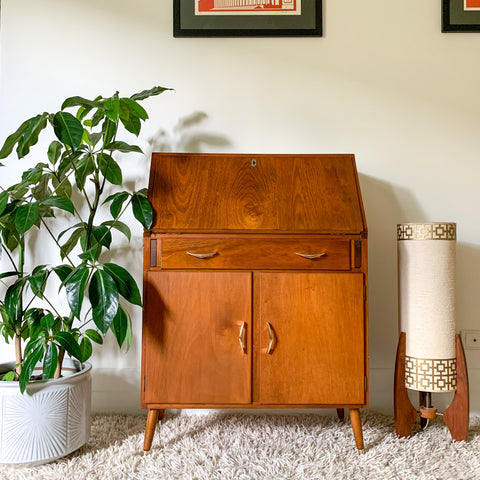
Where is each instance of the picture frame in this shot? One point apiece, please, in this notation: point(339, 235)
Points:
point(460, 15)
point(247, 18)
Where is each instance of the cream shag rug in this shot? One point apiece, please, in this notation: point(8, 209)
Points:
point(241, 447)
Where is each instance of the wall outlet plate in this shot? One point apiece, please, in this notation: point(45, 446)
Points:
point(471, 339)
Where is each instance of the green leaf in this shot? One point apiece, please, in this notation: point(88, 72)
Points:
point(109, 130)
point(91, 254)
point(62, 187)
point(120, 226)
point(8, 274)
point(86, 348)
point(3, 201)
point(133, 108)
point(68, 342)
point(80, 102)
point(26, 217)
point(50, 361)
point(132, 124)
point(9, 377)
point(131, 114)
point(148, 93)
point(63, 203)
point(41, 190)
point(100, 235)
point(38, 280)
point(37, 339)
point(112, 108)
point(13, 139)
point(75, 288)
point(94, 336)
point(126, 284)
point(30, 361)
point(30, 135)
point(84, 168)
point(94, 138)
point(47, 321)
point(70, 244)
point(104, 299)
point(68, 129)
point(118, 200)
point(54, 152)
point(142, 210)
point(110, 169)
point(121, 326)
point(12, 300)
point(63, 271)
point(123, 147)
point(98, 116)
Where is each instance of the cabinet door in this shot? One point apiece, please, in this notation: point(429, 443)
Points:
point(193, 328)
point(312, 338)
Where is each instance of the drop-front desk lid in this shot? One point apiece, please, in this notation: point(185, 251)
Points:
point(243, 193)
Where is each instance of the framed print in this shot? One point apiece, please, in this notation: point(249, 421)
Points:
point(247, 18)
point(461, 16)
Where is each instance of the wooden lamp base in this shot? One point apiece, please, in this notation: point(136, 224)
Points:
point(455, 416)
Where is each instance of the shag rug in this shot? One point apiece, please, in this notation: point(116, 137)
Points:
point(223, 446)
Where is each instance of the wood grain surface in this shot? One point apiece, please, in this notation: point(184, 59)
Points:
point(191, 333)
point(318, 323)
point(281, 193)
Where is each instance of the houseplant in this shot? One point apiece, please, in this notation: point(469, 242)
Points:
point(67, 196)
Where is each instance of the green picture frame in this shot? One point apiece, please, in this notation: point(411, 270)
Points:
point(456, 18)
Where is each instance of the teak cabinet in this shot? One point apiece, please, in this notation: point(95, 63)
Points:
point(255, 285)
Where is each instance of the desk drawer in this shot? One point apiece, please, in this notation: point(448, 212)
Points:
point(255, 253)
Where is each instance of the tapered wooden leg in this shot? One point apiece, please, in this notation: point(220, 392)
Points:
point(456, 415)
point(152, 419)
point(340, 413)
point(357, 429)
point(405, 412)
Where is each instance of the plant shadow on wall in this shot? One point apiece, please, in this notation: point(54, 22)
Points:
point(186, 137)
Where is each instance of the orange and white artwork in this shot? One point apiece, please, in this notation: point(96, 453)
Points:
point(471, 4)
point(248, 7)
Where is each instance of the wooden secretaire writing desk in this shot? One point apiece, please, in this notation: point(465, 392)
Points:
point(255, 285)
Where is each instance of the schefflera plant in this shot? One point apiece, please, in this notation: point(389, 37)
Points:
point(77, 177)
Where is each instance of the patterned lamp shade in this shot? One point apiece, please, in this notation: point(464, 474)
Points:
point(427, 304)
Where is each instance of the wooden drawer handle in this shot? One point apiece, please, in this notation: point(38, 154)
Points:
point(311, 257)
point(272, 338)
point(241, 337)
point(202, 255)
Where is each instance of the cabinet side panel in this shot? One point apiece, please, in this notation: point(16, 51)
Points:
point(193, 338)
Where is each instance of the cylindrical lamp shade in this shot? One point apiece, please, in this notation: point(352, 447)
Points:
point(427, 304)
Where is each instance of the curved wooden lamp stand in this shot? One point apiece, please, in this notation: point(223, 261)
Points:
point(455, 416)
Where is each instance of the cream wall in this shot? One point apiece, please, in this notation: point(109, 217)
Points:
point(383, 83)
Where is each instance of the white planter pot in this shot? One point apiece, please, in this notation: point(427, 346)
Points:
point(50, 420)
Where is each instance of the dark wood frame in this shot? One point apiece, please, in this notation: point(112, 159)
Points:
point(283, 31)
point(448, 26)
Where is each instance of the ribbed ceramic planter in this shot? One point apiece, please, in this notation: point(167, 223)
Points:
point(50, 420)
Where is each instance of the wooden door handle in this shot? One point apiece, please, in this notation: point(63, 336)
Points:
point(272, 339)
point(242, 337)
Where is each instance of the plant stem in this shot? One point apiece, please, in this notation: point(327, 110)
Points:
point(58, 370)
point(19, 310)
point(18, 354)
point(56, 241)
